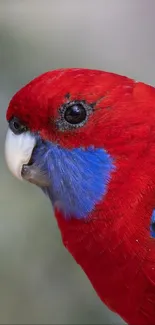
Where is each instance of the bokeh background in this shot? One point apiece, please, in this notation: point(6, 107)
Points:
point(39, 281)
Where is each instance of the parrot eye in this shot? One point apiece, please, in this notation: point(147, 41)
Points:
point(16, 126)
point(73, 115)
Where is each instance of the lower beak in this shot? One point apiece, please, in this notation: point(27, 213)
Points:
point(33, 174)
point(18, 154)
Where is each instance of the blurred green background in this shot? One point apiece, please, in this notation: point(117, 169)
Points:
point(39, 281)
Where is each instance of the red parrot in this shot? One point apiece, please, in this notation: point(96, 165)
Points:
point(87, 139)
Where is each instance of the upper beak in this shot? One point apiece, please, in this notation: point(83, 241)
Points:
point(18, 153)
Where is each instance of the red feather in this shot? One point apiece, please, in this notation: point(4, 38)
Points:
point(114, 246)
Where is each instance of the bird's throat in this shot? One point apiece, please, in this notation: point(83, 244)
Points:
point(78, 178)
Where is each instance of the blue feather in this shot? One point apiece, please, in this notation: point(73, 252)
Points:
point(152, 226)
point(78, 177)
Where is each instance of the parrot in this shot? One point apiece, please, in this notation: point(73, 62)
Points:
point(86, 138)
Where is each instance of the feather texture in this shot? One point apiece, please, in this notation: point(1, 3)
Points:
point(78, 177)
point(113, 244)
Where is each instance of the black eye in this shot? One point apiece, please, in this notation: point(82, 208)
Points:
point(16, 126)
point(75, 114)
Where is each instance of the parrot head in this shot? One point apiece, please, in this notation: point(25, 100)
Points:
point(73, 130)
point(59, 133)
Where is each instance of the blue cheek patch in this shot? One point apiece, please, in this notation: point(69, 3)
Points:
point(78, 177)
point(152, 226)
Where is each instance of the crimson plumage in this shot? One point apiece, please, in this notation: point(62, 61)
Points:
point(113, 244)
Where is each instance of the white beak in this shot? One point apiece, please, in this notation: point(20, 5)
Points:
point(18, 151)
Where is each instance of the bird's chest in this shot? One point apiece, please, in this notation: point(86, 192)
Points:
point(120, 266)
